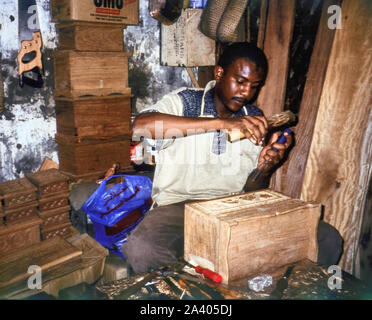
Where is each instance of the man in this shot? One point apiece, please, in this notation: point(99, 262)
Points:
point(195, 160)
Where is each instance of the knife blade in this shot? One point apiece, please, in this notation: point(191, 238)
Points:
point(282, 284)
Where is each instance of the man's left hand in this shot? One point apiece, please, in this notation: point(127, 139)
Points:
point(269, 155)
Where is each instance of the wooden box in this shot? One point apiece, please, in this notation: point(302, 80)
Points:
point(54, 202)
point(182, 44)
point(55, 217)
point(94, 116)
point(79, 157)
point(62, 230)
point(86, 36)
point(112, 11)
point(17, 193)
point(23, 213)
point(78, 73)
point(242, 235)
point(46, 255)
point(19, 235)
point(49, 182)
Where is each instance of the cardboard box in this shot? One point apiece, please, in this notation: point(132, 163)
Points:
point(111, 11)
point(182, 44)
point(94, 116)
point(243, 235)
point(80, 73)
point(88, 36)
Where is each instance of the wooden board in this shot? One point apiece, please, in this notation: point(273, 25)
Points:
point(241, 235)
point(121, 12)
point(49, 253)
point(279, 29)
point(81, 73)
point(20, 214)
point(16, 193)
point(86, 36)
point(92, 156)
point(338, 168)
point(48, 182)
point(53, 202)
point(288, 178)
point(19, 235)
point(182, 44)
point(94, 116)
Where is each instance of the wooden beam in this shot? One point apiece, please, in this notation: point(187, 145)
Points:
point(289, 177)
point(262, 24)
point(279, 29)
point(339, 163)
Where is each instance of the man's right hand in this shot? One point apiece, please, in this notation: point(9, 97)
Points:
point(253, 127)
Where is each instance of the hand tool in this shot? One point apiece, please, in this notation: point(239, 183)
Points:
point(209, 274)
point(282, 139)
point(282, 284)
point(273, 121)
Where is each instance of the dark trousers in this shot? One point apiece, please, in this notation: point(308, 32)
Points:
point(159, 240)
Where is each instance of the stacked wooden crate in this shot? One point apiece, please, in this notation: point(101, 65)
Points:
point(92, 98)
point(20, 224)
point(53, 204)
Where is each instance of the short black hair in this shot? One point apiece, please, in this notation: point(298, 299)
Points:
point(245, 50)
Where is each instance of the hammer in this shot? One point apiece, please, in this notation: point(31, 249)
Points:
point(274, 121)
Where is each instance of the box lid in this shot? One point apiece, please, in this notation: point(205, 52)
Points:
point(251, 205)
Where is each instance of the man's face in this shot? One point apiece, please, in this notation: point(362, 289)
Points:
point(236, 85)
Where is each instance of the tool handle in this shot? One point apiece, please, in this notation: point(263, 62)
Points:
point(209, 274)
point(282, 138)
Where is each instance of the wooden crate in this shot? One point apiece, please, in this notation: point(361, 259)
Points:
point(86, 36)
point(94, 116)
point(79, 157)
point(17, 193)
point(122, 12)
point(246, 234)
point(23, 213)
point(64, 230)
point(19, 235)
point(78, 73)
point(47, 254)
point(54, 202)
point(55, 217)
point(49, 182)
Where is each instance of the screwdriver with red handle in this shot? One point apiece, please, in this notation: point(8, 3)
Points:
point(209, 274)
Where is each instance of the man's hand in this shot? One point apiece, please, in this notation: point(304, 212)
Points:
point(269, 155)
point(254, 128)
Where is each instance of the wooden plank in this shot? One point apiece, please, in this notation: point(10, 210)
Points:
point(288, 178)
point(279, 29)
point(340, 155)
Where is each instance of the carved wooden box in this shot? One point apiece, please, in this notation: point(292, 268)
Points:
point(54, 202)
point(63, 230)
point(242, 235)
point(81, 73)
point(23, 213)
point(88, 36)
point(17, 193)
point(55, 217)
point(94, 116)
point(79, 157)
point(49, 182)
point(19, 235)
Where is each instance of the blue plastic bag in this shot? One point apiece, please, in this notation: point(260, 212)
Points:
point(115, 212)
